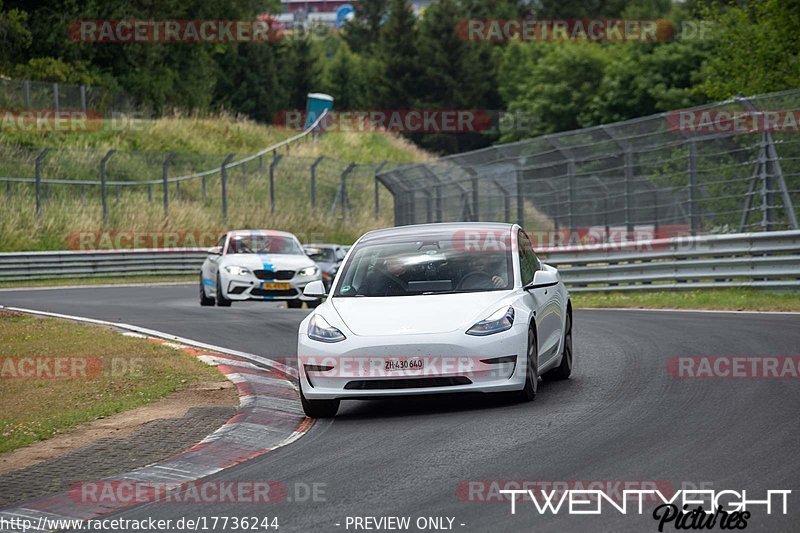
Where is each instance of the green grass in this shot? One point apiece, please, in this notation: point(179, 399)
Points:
point(127, 373)
point(200, 144)
point(112, 280)
point(713, 299)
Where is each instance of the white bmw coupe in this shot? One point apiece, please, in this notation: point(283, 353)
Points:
point(435, 308)
point(257, 265)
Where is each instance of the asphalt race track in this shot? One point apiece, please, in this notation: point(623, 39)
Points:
point(622, 417)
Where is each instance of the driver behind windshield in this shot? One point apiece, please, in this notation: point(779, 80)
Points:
point(483, 269)
point(385, 278)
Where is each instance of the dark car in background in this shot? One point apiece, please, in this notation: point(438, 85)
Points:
point(328, 258)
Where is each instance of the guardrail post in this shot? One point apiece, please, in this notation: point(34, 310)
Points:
point(224, 179)
point(38, 177)
point(314, 182)
point(377, 196)
point(692, 188)
point(164, 181)
point(272, 165)
point(103, 190)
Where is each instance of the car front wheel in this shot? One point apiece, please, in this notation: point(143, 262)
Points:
point(221, 300)
point(528, 392)
point(319, 408)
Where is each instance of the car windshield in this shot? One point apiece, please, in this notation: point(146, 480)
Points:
point(422, 267)
point(262, 243)
point(321, 255)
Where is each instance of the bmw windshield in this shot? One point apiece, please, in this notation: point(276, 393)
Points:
point(263, 243)
point(422, 267)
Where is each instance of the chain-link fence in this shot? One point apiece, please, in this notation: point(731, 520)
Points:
point(18, 95)
point(727, 167)
point(272, 182)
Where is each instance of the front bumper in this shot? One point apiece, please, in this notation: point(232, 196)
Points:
point(452, 363)
point(241, 288)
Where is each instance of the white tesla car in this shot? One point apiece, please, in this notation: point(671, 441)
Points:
point(257, 265)
point(435, 308)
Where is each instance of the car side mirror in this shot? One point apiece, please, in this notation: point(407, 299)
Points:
point(542, 279)
point(215, 250)
point(315, 289)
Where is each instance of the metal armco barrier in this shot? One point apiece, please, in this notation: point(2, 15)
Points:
point(766, 260)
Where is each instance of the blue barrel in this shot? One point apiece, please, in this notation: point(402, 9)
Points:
point(316, 104)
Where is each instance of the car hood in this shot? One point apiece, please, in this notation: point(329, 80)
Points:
point(411, 315)
point(269, 261)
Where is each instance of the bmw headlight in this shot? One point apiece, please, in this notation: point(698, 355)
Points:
point(309, 271)
point(237, 270)
point(320, 330)
point(500, 320)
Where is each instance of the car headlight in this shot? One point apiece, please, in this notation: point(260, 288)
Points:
point(320, 330)
point(237, 270)
point(309, 271)
point(500, 320)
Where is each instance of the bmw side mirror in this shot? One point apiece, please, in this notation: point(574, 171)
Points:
point(315, 289)
point(542, 279)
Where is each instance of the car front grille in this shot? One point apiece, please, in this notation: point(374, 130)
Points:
point(274, 274)
point(263, 292)
point(406, 383)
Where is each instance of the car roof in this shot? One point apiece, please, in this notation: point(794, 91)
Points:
point(323, 245)
point(438, 229)
point(273, 232)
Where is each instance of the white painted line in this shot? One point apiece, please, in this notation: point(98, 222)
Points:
point(104, 286)
point(273, 365)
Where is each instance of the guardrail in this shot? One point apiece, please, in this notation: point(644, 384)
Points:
point(766, 260)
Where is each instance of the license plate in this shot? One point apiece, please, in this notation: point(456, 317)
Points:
point(405, 364)
point(275, 286)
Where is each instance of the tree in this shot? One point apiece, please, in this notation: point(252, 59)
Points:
point(15, 36)
point(363, 32)
point(755, 49)
point(303, 70)
point(398, 78)
point(344, 79)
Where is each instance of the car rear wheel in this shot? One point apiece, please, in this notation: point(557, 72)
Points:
point(294, 304)
point(221, 300)
point(564, 370)
point(319, 408)
point(205, 301)
point(528, 392)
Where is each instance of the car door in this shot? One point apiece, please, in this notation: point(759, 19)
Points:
point(546, 302)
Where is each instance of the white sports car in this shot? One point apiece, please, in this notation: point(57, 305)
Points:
point(435, 308)
point(257, 265)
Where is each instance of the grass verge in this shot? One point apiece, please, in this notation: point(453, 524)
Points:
point(119, 280)
point(56, 374)
point(712, 299)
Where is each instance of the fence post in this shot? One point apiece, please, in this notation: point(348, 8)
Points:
point(475, 198)
point(628, 190)
point(8, 190)
point(103, 190)
point(149, 193)
point(56, 103)
point(164, 182)
point(272, 165)
point(203, 185)
point(244, 175)
point(692, 188)
point(377, 196)
point(224, 179)
point(314, 182)
point(38, 184)
point(344, 198)
point(83, 98)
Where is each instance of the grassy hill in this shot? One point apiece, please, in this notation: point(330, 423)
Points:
point(199, 144)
